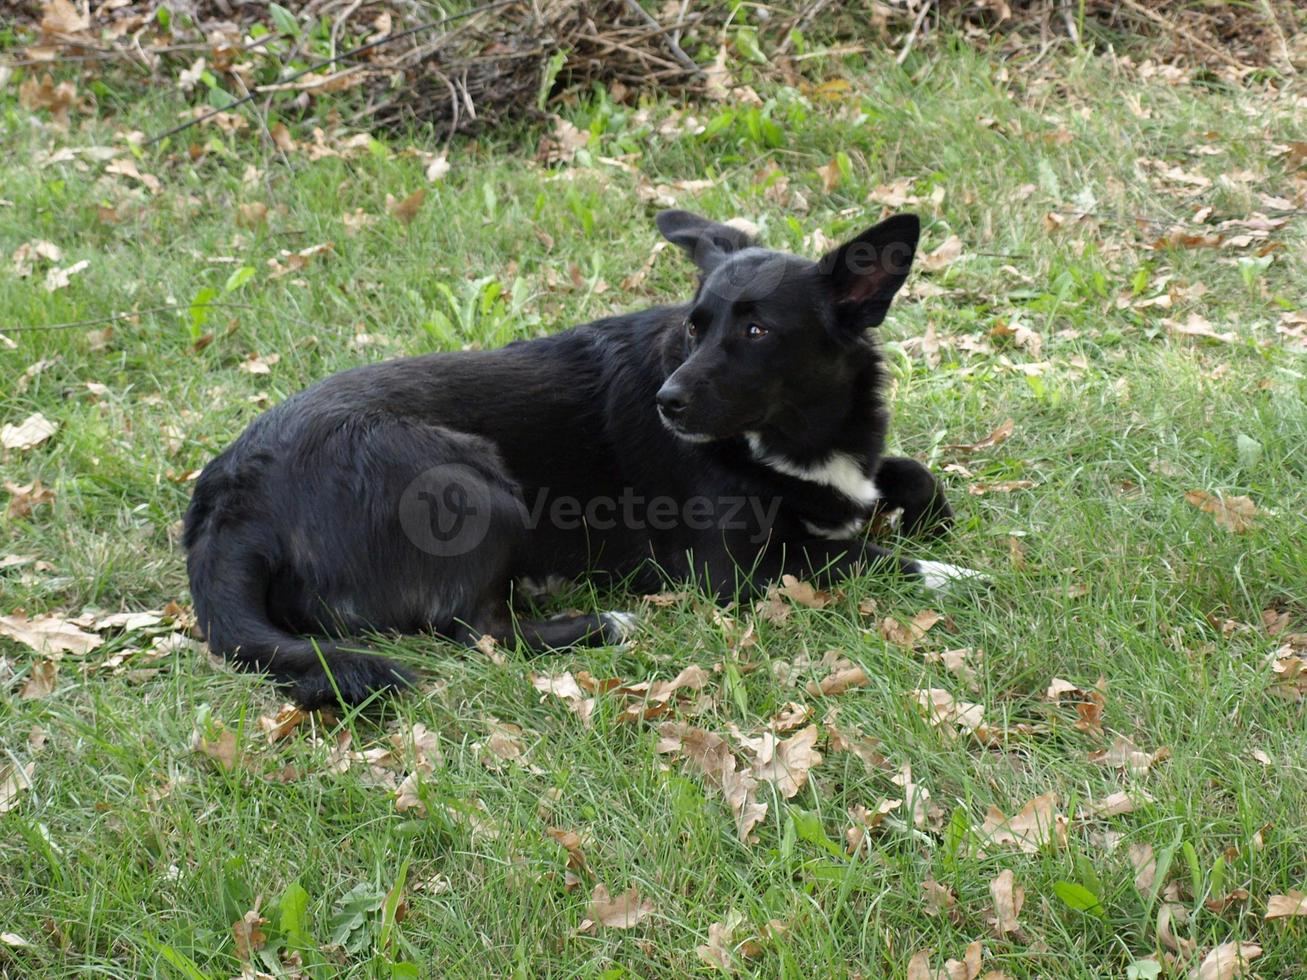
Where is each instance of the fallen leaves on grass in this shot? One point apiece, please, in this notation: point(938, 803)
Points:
point(711, 755)
point(943, 256)
point(1225, 962)
point(865, 747)
point(786, 763)
point(1286, 906)
point(790, 717)
point(29, 433)
point(43, 93)
point(1008, 898)
point(126, 167)
point(1198, 326)
point(959, 663)
point(946, 713)
point(719, 951)
point(27, 255)
point(839, 681)
point(256, 364)
point(565, 687)
point(865, 820)
point(1088, 704)
point(41, 680)
point(1124, 754)
point(1235, 514)
point(908, 634)
point(967, 968)
point(49, 635)
point(297, 261)
point(247, 932)
point(288, 718)
point(922, 810)
point(14, 779)
point(996, 438)
point(983, 487)
point(26, 497)
point(1037, 825)
point(1144, 864)
point(406, 209)
point(626, 911)
point(503, 744)
point(1289, 667)
point(222, 748)
point(1116, 804)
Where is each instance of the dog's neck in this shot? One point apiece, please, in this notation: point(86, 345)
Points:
point(841, 452)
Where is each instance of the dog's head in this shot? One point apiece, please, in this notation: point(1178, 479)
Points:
point(768, 334)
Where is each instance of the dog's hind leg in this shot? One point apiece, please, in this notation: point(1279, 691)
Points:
point(554, 633)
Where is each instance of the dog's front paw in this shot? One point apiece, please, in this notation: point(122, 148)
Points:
point(619, 627)
point(940, 576)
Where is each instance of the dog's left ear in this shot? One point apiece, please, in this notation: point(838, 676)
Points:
point(708, 242)
point(865, 273)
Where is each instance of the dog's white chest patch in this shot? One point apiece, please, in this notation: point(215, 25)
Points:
point(839, 471)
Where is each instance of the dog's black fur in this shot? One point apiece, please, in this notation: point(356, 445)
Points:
point(761, 396)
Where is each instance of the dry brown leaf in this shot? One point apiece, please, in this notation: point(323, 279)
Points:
point(288, 718)
point(1123, 754)
point(255, 364)
point(865, 820)
point(252, 214)
point(222, 750)
point(907, 635)
point(24, 498)
point(713, 757)
point(626, 911)
point(1116, 804)
point(1286, 906)
point(1020, 335)
point(1037, 824)
point(719, 951)
point(1235, 514)
point(790, 717)
point(1008, 898)
point(31, 432)
point(940, 899)
point(786, 764)
point(49, 635)
point(830, 176)
point(27, 255)
point(58, 278)
point(957, 662)
point(126, 167)
point(248, 933)
point(995, 438)
point(407, 209)
point(14, 779)
point(803, 594)
point(922, 810)
point(981, 488)
point(41, 680)
point(504, 744)
point(43, 93)
point(839, 682)
point(62, 17)
point(1145, 865)
point(1225, 962)
point(1088, 703)
point(942, 257)
point(1197, 326)
point(865, 747)
point(565, 687)
point(942, 710)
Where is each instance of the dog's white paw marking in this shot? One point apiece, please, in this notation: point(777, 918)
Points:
point(621, 625)
point(940, 576)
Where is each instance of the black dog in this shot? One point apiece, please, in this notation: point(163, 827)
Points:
point(730, 440)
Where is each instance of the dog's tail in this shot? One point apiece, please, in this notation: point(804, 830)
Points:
point(229, 586)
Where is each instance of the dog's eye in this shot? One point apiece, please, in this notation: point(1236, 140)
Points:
point(754, 332)
point(690, 329)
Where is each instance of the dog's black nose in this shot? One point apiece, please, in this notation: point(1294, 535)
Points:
point(673, 401)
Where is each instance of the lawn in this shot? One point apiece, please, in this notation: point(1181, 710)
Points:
point(1096, 768)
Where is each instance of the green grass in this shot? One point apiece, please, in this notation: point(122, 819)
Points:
point(132, 855)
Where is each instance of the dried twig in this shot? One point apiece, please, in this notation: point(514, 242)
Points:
point(912, 34)
point(689, 63)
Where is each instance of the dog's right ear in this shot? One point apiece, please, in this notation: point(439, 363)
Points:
point(707, 242)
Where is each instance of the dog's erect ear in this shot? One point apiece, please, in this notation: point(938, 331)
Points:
point(708, 242)
point(865, 273)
